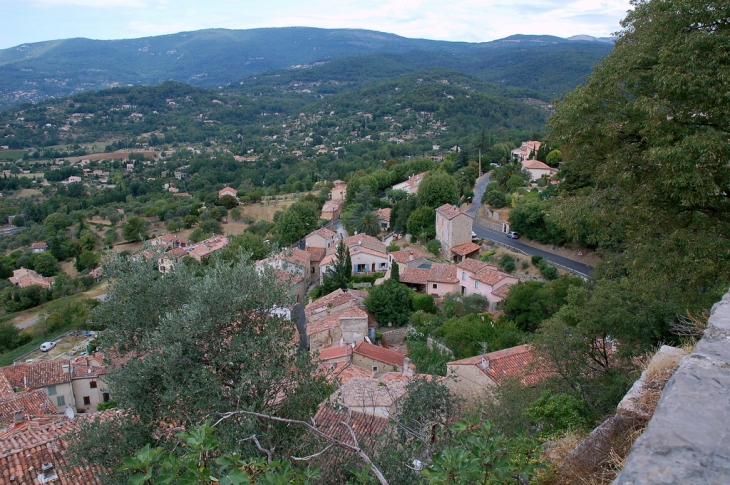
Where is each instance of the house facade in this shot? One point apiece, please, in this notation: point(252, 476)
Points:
point(479, 278)
point(525, 150)
point(410, 186)
point(53, 377)
point(339, 191)
point(537, 169)
point(453, 228)
point(321, 238)
point(227, 191)
point(331, 210)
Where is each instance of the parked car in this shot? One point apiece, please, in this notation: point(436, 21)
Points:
point(513, 235)
point(46, 346)
point(474, 235)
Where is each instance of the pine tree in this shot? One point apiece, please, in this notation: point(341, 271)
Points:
point(395, 272)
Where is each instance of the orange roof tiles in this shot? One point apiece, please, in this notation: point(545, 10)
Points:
point(333, 320)
point(406, 255)
point(342, 371)
point(535, 164)
point(474, 265)
point(334, 352)
point(503, 290)
point(38, 374)
point(209, 246)
point(443, 273)
point(380, 354)
point(323, 232)
point(490, 277)
point(363, 240)
point(383, 214)
point(32, 404)
point(316, 254)
point(414, 276)
point(520, 362)
point(466, 249)
point(334, 299)
point(449, 211)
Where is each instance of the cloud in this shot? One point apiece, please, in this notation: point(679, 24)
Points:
point(92, 3)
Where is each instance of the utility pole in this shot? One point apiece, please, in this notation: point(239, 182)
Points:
point(480, 162)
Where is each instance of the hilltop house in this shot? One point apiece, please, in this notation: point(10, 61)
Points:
point(227, 191)
point(205, 248)
point(525, 150)
point(410, 186)
point(536, 168)
point(39, 247)
point(27, 277)
point(321, 238)
point(453, 231)
point(473, 376)
point(331, 210)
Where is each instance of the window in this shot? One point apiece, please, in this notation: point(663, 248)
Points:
point(463, 276)
point(435, 286)
point(476, 284)
point(106, 397)
point(60, 400)
point(92, 384)
point(312, 269)
point(87, 401)
point(51, 390)
point(375, 368)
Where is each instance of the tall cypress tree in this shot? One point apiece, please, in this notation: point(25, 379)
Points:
point(395, 272)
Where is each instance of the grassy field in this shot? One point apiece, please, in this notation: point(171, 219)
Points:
point(264, 211)
point(12, 154)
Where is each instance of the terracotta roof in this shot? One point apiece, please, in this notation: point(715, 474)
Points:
point(88, 367)
point(358, 293)
point(39, 245)
point(26, 447)
point(329, 259)
point(334, 299)
point(329, 420)
point(362, 392)
point(342, 371)
point(38, 374)
point(490, 276)
point(227, 190)
point(373, 252)
point(209, 246)
point(316, 254)
point(383, 214)
point(406, 255)
point(443, 273)
point(516, 362)
point(176, 253)
point(334, 352)
point(466, 249)
point(331, 205)
point(363, 240)
point(333, 320)
point(414, 276)
point(474, 265)
point(323, 232)
point(535, 164)
point(5, 387)
point(297, 256)
point(448, 211)
point(27, 277)
point(33, 404)
point(380, 354)
point(503, 290)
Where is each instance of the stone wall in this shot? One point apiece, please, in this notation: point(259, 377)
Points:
point(687, 441)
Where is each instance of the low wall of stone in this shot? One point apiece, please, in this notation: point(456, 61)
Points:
point(687, 441)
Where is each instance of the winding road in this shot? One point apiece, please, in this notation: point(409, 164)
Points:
point(565, 263)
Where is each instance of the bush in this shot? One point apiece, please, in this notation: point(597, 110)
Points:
point(495, 198)
point(508, 263)
point(536, 260)
point(107, 405)
point(550, 273)
point(424, 302)
point(433, 246)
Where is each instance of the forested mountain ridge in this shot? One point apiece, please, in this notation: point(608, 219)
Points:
point(215, 57)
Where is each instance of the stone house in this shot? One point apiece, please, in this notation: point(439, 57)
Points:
point(339, 191)
point(53, 377)
point(87, 382)
point(331, 210)
point(383, 216)
point(412, 258)
point(453, 228)
point(377, 359)
point(205, 248)
point(336, 318)
point(292, 267)
point(537, 169)
point(27, 277)
point(316, 255)
point(436, 279)
point(473, 376)
point(321, 238)
point(477, 277)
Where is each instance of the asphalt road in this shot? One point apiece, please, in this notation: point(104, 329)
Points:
point(574, 266)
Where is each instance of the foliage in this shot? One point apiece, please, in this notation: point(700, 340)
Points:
point(395, 271)
point(340, 273)
point(436, 189)
point(434, 246)
point(360, 218)
point(297, 221)
point(201, 357)
point(508, 263)
point(202, 459)
point(45, 264)
point(476, 334)
point(428, 359)
point(390, 303)
point(135, 229)
point(11, 337)
point(531, 218)
point(248, 243)
point(422, 223)
point(495, 198)
point(530, 303)
point(481, 456)
point(558, 412)
point(424, 302)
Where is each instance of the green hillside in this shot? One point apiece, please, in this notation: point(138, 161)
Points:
point(215, 57)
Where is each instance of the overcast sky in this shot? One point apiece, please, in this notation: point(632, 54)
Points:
point(23, 21)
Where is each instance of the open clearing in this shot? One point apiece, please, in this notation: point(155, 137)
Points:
point(264, 211)
point(66, 347)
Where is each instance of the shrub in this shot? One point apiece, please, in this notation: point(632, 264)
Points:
point(424, 302)
point(495, 198)
point(508, 263)
point(433, 246)
point(536, 259)
point(550, 273)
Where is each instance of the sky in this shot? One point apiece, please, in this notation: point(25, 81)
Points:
point(25, 21)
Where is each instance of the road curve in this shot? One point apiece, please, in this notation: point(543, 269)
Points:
point(569, 264)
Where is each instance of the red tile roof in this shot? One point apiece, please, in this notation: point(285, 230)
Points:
point(38, 374)
point(26, 447)
point(342, 371)
point(333, 300)
point(521, 362)
point(383, 214)
point(329, 420)
point(316, 254)
point(209, 246)
point(443, 273)
point(490, 276)
point(323, 232)
point(466, 249)
point(363, 240)
point(406, 255)
point(334, 352)
point(535, 164)
point(449, 211)
point(39, 245)
point(503, 290)
point(333, 320)
point(413, 276)
point(33, 404)
point(380, 354)
point(474, 265)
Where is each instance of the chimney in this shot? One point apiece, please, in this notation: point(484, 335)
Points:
point(19, 417)
point(484, 364)
point(407, 371)
point(410, 256)
point(65, 368)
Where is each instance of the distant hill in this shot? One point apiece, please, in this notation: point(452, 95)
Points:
point(216, 57)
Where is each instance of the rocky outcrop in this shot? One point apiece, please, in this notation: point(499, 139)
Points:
point(687, 441)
